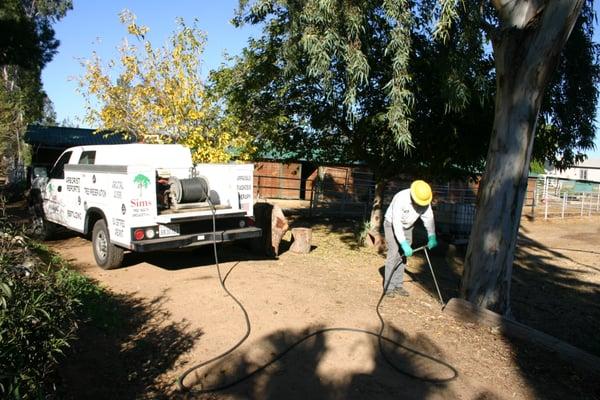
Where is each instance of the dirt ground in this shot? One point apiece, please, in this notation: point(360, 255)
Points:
point(176, 314)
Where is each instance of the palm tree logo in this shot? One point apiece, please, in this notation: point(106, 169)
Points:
point(141, 181)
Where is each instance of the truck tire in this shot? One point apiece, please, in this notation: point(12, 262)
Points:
point(45, 229)
point(107, 255)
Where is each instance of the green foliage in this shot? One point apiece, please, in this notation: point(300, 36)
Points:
point(48, 117)
point(40, 305)
point(368, 80)
point(28, 44)
point(329, 42)
point(95, 304)
point(356, 107)
point(566, 125)
point(536, 167)
point(36, 325)
point(361, 232)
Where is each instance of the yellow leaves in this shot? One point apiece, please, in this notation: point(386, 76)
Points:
point(158, 95)
point(218, 144)
point(196, 114)
point(128, 18)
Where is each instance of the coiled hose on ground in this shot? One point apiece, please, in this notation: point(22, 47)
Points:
point(380, 338)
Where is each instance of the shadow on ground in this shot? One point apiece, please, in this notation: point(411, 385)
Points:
point(123, 353)
point(200, 256)
point(545, 296)
point(126, 361)
point(297, 376)
point(554, 299)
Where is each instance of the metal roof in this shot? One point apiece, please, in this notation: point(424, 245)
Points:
point(593, 163)
point(58, 136)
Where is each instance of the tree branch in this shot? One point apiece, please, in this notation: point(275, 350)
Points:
point(517, 13)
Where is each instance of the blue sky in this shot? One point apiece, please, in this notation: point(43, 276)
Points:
point(94, 25)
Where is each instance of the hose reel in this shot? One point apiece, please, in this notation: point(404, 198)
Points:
point(191, 190)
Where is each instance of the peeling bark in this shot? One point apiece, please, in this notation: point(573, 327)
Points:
point(525, 56)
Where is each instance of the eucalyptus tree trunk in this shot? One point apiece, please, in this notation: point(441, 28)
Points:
point(526, 50)
point(376, 221)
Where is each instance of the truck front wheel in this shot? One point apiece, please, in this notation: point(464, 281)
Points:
point(107, 255)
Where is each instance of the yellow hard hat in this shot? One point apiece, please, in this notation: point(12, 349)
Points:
point(420, 191)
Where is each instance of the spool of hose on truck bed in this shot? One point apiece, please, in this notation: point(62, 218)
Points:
point(191, 190)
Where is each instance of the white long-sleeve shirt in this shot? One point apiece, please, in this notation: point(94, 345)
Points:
point(403, 213)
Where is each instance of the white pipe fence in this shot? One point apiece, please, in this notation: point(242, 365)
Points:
point(562, 198)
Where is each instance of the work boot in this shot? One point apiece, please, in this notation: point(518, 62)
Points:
point(400, 291)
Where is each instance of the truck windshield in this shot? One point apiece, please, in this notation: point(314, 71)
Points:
point(58, 171)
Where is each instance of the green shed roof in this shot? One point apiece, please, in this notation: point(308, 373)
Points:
point(58, 136)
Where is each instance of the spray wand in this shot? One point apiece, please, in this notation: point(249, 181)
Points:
point(424, 248)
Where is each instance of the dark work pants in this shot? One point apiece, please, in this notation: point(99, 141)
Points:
point(394, 257)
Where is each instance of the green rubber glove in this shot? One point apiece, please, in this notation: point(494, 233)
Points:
point(432, 242)
point(408, 251)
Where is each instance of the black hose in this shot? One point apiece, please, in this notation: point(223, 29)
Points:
point(190, 190)
point(246, 318)
point(278, 356)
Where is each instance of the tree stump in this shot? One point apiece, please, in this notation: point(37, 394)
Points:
point(302, 238)
point(270, 218)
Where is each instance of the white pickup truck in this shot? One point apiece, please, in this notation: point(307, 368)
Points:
point(146, 197)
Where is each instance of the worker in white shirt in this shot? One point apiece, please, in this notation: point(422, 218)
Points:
point(406, 207)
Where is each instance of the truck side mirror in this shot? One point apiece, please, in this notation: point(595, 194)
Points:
point(40, 172)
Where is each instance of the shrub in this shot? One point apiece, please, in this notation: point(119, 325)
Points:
point(361, 231)
point(39, 306)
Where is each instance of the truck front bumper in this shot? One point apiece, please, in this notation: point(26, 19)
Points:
point(196, 239)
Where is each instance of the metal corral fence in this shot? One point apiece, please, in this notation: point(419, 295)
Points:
point(564, 198)
point(342, 191)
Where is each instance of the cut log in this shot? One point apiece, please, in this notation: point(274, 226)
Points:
point(279, 227)
point(302, 238)
point(270, 218)
point(468, 312)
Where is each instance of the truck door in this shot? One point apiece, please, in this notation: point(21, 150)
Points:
point(54, 193)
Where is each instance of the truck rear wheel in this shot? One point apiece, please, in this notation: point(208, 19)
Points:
point(107, 255)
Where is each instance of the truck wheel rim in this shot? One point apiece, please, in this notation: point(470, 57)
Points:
point(101, 245)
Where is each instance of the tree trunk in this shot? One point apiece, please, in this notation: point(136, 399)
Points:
point(374, 237)
point(526, 53)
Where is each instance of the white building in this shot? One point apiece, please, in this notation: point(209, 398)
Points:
point(588, 170)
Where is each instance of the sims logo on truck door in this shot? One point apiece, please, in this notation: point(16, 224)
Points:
point(142, 182)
